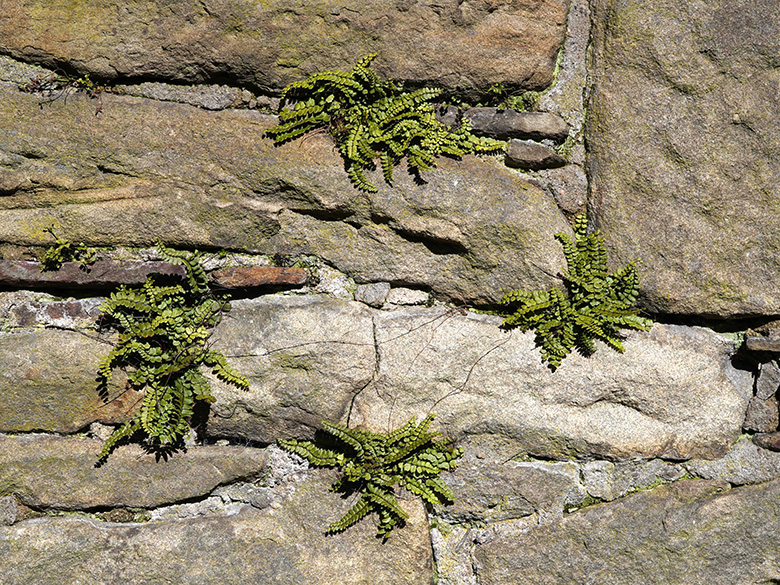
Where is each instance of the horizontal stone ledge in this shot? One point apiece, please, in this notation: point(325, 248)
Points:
point(51, 472)
point(767, 344)
point(532, 156)
point(509, 123)
point(111, 273)
point(282, 545)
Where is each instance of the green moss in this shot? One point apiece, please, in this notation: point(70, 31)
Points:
point(586, 503)
point(445, 528)
point(287, 361)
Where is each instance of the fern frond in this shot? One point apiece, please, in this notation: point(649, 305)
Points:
point(369, 119)
point(163, 332)
point(374, 463)
point(356, 513)
point(595, 305)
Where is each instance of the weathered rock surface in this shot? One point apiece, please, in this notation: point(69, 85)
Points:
point(268, 45)
point(531, 156)
point(306, 359)
point(108, 274)
point(284, 545)
point(769, 343)
point(745, 463)
point(683, 126)
point(99, 275)
point(508, 123)
point(609, 481)
point(143, 169)
point(488, 489)
point(768, 441)
point(673, 394)
point(44, 472)
point(48, 382)
point(688, 532)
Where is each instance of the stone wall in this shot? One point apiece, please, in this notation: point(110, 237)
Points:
point(660, 465)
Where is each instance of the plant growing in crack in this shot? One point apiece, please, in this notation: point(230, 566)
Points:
point(65, 251)
point(163, 341)
point(371, 119)
point(596, 303)
point(372, 464)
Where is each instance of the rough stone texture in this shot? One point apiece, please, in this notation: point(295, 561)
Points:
point(688, 532)
point(7, 510)
point(305, 357)
point(258, 276)
point(284, 545)
point(48, 382)
point(108, 274)
point(745, 463)
point(99, 275)
point(24, 309)
point(489, 486)
point(508, 123)
point(210, 97)
point(406, 296)
point(59, 472)
point(144, 169)
point(770, 343)
point(374, 295)
point(531, 156)
point(608, 481)
point(673, 394)
point(684, 157)
point(569, 187)
point(566, 97)
point(768, 441)
point(267, 45)
point(768, 381)
point(762, 415)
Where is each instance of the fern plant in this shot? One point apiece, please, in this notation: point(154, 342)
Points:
point(163, 342)
point(371, 119)
point(64, 251)
point(374, 463)
point(596, 304)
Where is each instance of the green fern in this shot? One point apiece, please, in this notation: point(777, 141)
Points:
point(371, 119)
point(374, 463)
point(65, 251)
point(162, 344)
point(596, 304)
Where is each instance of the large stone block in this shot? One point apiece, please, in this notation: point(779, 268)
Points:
point(684, 154)
point(48, 383)
point(673, 394)
point(688, 532)
point(143, 170)
point(49, 472)
point(280, 545)
point(266, 45)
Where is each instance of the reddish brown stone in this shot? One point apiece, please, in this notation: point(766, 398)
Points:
point(102, 274)
point(107, 274)
point(770, 343)
point(257, 276)
point(770, 441)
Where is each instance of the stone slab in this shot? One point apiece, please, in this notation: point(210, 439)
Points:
point(210, 180)
point(682, 130)
point(673, 394)
point(269, 44)
point(51, 472)
point(281, 545)
point(690, 532)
